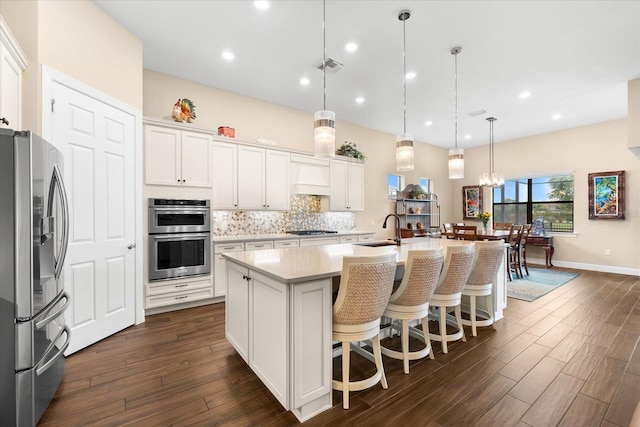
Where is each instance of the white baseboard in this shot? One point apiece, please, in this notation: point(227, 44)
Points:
point(591, 267)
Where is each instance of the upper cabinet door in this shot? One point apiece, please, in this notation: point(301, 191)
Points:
point(225, 182)
point(339, 176)
point(277, 186)
point(162, 156)
point(251, 178)
point(12, 63)
point(196, 159)
point(356, 187)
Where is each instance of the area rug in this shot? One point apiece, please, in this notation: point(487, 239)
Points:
point(539, 282)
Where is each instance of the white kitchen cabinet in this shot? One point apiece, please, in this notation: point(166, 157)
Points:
point(12, 62)
point(347, 186)
point(169, 292)
point(320, 241)
point(257, 246)
point(219, 269)
point(365, 238)
point(348, 239)
point(250, 178)
point(177, 157)
point(289, 243)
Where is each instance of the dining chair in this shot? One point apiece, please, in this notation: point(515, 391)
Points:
point(486, 264)
point(523, 248)
point(447, 228)
point(513, 260)
point(411, 302)
point(365, 287)
point(465, 232)
point(448, 294)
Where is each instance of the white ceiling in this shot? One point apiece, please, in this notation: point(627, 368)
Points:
point(575, 57)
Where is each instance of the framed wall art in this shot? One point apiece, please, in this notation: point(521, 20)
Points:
point(471, 201)
point(606, 195)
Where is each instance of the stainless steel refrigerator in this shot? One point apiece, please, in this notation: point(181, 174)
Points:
point(33, 242)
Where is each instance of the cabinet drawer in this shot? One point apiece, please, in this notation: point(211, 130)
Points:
point(319, 241)
point(178, 297)
point(254, 246)
point(286, 243)
point(163, 288)
point(229, 247)
point(348, 239)
point(365, 238)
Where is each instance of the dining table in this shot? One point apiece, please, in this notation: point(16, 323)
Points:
point(490, 234)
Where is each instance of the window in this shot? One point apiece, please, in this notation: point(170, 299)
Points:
point(425, 183)
point(547, 199)
point(394, 184)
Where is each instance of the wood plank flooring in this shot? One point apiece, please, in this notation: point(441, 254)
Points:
point(571, 358)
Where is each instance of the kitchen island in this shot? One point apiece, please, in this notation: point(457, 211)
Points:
point(278, 314)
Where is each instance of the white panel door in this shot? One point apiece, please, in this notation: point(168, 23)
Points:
point(98, 143)
point(163, 162)
point(339, 177)
point(355, 200)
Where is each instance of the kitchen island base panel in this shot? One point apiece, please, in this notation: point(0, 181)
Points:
point(283, 331)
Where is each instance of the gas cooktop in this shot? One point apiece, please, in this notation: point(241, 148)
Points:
point(310, 232)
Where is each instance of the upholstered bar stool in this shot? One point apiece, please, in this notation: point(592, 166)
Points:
point(411, 302)
point(448, 294)
point(486, 264)
point(365, 288)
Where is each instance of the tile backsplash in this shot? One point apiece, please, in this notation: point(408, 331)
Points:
point(305, 214)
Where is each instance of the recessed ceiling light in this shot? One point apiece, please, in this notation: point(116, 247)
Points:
point(411, 75)
point(467, 136)
point(556, 116)
point(524, 95)
point(428, 123)
point(228, 55)
point(262, 5)
point(360, 99)
point(351, 47)
point(304, 81)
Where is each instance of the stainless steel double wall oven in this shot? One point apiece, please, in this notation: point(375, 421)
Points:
point(179, 238)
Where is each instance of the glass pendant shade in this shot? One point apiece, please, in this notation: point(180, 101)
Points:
point(324, 134)
point(404, 152)
point(456, 163)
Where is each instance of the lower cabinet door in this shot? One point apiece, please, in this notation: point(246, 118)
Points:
point(269, 334)
point(237, 309)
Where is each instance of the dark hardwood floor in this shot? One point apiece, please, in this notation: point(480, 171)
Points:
point(570, 358)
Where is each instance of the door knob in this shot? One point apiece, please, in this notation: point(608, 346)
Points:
point(131, 245)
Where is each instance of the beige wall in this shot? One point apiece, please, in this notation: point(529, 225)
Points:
point(78, 39)
point(596, 148)
point(252, 118)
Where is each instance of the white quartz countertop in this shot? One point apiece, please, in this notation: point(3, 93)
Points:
point(301, 264)
point(282, 236)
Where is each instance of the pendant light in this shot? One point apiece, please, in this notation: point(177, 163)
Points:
point(491, 179)
point(324, 121)
point(456, 155)
point(404, 141)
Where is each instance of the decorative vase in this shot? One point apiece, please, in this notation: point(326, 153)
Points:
point(484, 228)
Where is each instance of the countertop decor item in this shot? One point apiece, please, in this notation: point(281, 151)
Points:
point(350, 149)
point(184, 111)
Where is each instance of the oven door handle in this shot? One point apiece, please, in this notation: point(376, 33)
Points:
point(182, 211)
point(181, 236)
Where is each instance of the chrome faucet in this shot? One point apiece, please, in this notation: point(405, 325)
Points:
point(384, 225)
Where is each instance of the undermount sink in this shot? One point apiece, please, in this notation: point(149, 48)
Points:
point(377, 244)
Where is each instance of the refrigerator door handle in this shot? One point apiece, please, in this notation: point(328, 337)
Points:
point(41, 366)
point(39, 321)
point(57, 182)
